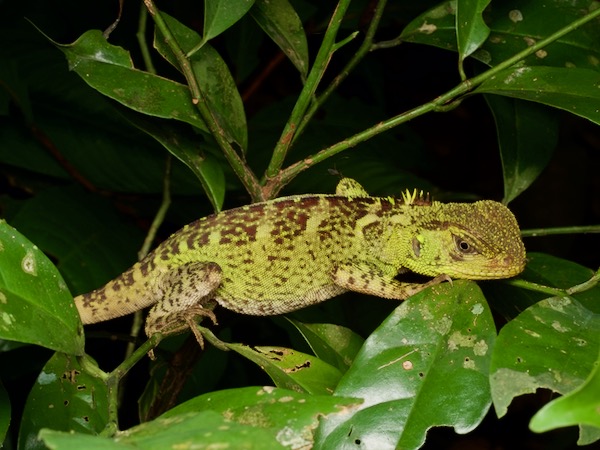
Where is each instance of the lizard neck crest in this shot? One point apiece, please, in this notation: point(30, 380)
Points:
point(418, 198)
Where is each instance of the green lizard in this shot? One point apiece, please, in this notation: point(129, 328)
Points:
point(281, 255)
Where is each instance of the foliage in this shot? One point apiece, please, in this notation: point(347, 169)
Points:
point(252, 97)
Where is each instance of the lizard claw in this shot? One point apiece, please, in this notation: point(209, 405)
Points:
point(191, 318)
point(440, 279)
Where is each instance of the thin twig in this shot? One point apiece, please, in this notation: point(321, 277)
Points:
point(535, 232)
point(364, 48)
point(307, 94)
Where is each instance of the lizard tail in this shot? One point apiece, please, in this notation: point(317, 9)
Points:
point(126, 294)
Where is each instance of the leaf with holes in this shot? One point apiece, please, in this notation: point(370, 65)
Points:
point(426, 365)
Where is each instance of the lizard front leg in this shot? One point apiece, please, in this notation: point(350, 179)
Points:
point(368, 279)
point(186, 294)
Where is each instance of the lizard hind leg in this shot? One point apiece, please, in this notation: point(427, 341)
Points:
point(186, 293)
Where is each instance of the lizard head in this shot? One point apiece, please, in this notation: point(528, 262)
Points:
point(476, 241)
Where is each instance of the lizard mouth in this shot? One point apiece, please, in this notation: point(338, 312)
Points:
point(493, 271)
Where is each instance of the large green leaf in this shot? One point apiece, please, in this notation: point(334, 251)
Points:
point(527, 136)
point(281, 23)
point(426, 365)
point(192, 430)
point(291, 415)
point(109, 69)
point(261, 418)
point(35, 304)
point(64, 397)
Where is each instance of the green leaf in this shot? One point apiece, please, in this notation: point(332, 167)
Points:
point(471, 29)
point(64, 397)
point(515, 25)
point(109, 70)
point(213, 78)
point(436, 27)
point(427, 360)
point(549, 270)
point(527, 135)
point(573, 90)
point(59, 440)
point(290, 415)
point(186, 147)
point(579, 407)
point(545, 270)
point(249, 418)
point(334, 344)
point(291, 369)
point(222, 14)
point(207, 429)
point(281, 23)
point(4, 413)
point(35, 304)
point(552, 344)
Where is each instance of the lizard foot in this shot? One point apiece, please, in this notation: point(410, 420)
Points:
point(191, 318)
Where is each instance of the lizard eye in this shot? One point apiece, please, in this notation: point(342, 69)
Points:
point(464, 246)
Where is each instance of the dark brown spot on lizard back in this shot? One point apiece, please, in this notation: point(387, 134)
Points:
point(198, 240)
point(250, 231)
point(324, 235)
point(127, 278)
point(147, 266)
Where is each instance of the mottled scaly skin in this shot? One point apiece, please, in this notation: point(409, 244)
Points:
point(281, 255)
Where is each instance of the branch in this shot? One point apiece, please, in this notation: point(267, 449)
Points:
point(239, 166)
point(365, 48)
point(328, 47)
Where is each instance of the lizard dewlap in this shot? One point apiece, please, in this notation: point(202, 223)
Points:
point(284, 254)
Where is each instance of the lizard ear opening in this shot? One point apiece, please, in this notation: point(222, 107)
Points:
point(416, 247)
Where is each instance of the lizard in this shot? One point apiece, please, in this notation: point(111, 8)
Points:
point(281, 255)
